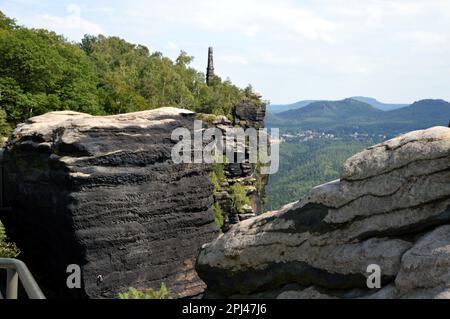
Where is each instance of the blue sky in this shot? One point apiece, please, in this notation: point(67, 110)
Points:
point(396, 51)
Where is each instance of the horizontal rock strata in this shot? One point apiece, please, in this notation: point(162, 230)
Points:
point(388, 209)
point(102, 192)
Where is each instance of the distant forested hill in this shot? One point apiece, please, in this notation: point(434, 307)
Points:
point(332, 111)
point(421, 114)
point(351, 115)
point(278, 108)
point(377, 104)
point(305, 163)
point(41, 71)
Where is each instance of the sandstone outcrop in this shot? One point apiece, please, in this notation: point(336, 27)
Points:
point(246, 115)
point(390, 208)
point(102, 192)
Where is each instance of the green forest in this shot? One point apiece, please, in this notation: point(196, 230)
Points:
point(306, 165)
point(41, 71)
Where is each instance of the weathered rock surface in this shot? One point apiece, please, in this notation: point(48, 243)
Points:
point(425, 269)
point(246, 115)
point(309, 293)
point(103, 193)
point(386, 209)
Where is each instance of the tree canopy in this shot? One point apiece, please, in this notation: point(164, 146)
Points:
point(41, 71)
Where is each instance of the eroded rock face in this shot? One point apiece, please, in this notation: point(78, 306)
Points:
point(247, 115)
point(385, 210)
point(103, 193)
point(425, 269)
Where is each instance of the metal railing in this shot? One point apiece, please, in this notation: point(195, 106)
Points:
point(16, 270)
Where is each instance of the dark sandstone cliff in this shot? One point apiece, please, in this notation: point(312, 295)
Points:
point(104, 193)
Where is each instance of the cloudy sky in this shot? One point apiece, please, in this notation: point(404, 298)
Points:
point(289, 50)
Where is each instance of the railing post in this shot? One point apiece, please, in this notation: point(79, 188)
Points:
point(12, 284)
point(16, 270)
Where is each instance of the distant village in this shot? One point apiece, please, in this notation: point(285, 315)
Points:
point(301, 136)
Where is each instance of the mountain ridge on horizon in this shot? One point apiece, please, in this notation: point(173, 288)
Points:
point(351, 115)
point(279, 108)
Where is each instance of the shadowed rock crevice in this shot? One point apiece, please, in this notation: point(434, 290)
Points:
point(307, 218)
point(412, 229)
point(276, 275)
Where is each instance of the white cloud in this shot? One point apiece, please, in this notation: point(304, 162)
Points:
point(424, 38)
point(319, 48)
point(233, 59)
point(244, 17)
point(72, 24)
point(252, 30)
point(172, 45)
point(312, 27)
point(279, 59)
point(364, 42)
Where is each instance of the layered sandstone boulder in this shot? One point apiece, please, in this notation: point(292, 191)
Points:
point(390, 208)
point(102, 192)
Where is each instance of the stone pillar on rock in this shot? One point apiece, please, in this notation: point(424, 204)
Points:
point(210, 70)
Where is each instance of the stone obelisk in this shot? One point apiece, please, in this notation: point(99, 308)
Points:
point(210, 69)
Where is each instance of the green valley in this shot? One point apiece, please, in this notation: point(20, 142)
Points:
point(318, 137)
